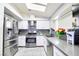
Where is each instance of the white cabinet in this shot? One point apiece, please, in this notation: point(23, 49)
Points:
point(23, 24)
point(39, 40)
point(57, 52)
point(9, 21)
point(21, 40)
point(9, 24)
point(43, 25)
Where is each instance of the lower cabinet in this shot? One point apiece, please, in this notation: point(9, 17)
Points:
point(39, 41)
point(42, 41)
point(21, 40)
point(57, 52)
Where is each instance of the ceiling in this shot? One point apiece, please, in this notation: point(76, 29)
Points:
point(50, 10)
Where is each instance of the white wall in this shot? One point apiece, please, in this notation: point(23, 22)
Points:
point(65, 22)
point(54, 24)
point(64, 8)
point(1, 27)
point(63, 17)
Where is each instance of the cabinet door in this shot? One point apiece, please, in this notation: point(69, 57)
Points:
point(22, 41)
point(23, 25)
point(57, 52)
point(40, 41)
point(8, 21)
point(42, 25)
point(9, 24)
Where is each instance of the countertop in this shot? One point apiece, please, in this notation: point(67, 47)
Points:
point(38, 33)
point(67, 49)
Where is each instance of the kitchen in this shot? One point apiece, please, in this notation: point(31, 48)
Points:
point(39, 29)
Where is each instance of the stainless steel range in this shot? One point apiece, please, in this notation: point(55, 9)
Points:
point(31, 40)
point(31, 36)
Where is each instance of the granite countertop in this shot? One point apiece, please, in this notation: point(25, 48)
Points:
point(68, 49)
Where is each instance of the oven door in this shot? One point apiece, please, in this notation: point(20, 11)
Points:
point(30, 42)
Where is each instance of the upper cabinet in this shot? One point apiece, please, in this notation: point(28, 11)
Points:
point(43, 25)
point(39, 25)
point(9, 22)
point(23, 24)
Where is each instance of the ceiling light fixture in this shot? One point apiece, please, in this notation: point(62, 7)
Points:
point(41, 4)
point(34, 6)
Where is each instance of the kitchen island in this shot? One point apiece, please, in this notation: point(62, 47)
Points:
point(63, 47)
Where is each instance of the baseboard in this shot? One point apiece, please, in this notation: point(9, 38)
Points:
point(26, 47)
point(21, 46)
point(40, 46)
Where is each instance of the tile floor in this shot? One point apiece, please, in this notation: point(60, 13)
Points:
point(37, 51)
